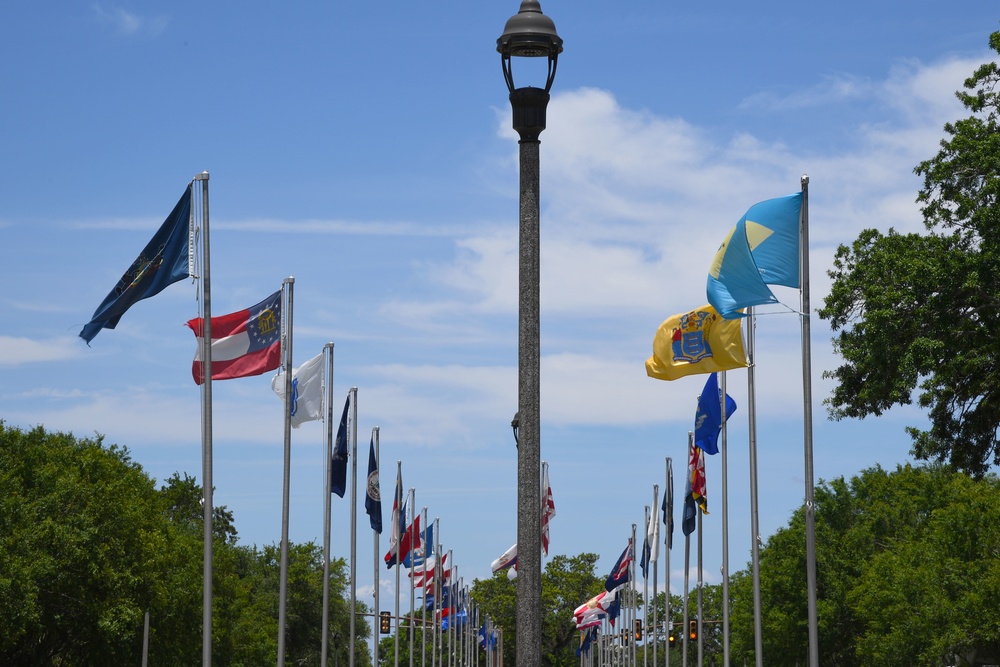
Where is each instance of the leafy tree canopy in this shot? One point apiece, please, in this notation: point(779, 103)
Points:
point(921, 312)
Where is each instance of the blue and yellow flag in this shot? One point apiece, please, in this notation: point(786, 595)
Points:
point(761, 250)
point(699, 341)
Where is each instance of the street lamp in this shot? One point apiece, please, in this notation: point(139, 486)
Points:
point(529, 34)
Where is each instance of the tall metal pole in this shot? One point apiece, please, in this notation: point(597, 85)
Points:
point(668, 543)
point(725, 525)
point(808, 426)
point(375, 534)
point(327, 493)
point(206, 428)
point(354, 523)
point(754, 521)
point(286, 337)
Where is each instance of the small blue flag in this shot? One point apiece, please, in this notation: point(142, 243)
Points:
point(162, 262)
point(338, 469)
point(620, 573)
point(373, 499)
point(708, 419)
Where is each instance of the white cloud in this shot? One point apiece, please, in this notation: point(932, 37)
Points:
point(15, 351)
point(129, 23)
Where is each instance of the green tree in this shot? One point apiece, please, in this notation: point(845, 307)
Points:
point(922, 311)
point(906, 569)
point(567, 582)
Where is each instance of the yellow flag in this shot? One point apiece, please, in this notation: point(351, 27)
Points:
point(700, 341)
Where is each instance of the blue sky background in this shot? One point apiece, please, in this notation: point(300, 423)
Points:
point(366, 150)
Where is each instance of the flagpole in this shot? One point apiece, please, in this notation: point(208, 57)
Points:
point(808, 425)
point(645, 590)
point(423, 611)
point(687, 561)
point(399, 538)
point(668, 543)
point(632, 607)
point(725, 524)
point(754, 525)
point(412, 565)
point(435, 658)
point(287, 287)
point(354, 521)
point(328, 442)
point(701, 582)
point(206, 426)
point(656, 562)
point(375, 537)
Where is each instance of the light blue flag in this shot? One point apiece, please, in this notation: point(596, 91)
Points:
point(761, 250)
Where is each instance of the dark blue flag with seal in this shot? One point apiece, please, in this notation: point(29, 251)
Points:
point(373, 499)
point(162, 262)
point(708, 420)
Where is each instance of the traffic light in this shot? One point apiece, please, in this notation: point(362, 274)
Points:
point(638, 629)
point(693, 630)
point(384, 622)
point(673, 639)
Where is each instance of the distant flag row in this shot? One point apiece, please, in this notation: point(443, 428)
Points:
point(508, 559)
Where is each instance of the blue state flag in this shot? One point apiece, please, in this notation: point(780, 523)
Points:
point(761, 250)
point(620, 573)
point(417, 557)
point(708, 419)
point(373, 498)
point(162, 262)
point(338, 469)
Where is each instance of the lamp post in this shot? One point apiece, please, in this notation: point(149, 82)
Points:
point(531, 34)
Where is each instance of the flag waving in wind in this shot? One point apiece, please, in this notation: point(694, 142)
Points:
point(163, 261)
point(699, 341)
point(244, 343)
point(761, 250)
point(307, 390)
point(708, 420)
point(695, 493)
point(620, 572)
point(548, 508)
point(373, 501)
point(338, 467)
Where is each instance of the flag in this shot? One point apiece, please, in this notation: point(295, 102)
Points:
point(398, 514)
point(699, 341)
point(507, 561)
point(593, 610)
point(163, 261)
point(416, 557)
point(307, 390)
point(708, 419)
point(620, 572)
point(410, 538)
point(338, 467)
point(587, 638)
point(761, 250)
point(694, 494)
point(650, 543)
point(668, 505)
point(373, 500)
point(548, 508)
point(424, 577)
point(244, 343)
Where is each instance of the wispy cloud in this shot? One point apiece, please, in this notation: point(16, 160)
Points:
point(129, 23)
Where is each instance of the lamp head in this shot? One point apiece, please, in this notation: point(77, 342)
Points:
point(529, 34)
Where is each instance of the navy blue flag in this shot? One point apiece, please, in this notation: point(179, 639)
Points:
point(162, 262)
point(647, 551)
point(587, 638)
point(338, 469)
point(620, 572)
point(668, 505)
point(708, 420)
point(373, 500)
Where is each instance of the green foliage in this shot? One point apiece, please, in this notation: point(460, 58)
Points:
point(88, 545)
point(907, 574)
point(921, 312)
point(567, 582)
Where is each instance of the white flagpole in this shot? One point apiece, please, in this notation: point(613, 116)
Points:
point(354, 522)
point(206, 424)
point(413, 554)
point(808, 427)
point(645, 590)
point(328, 448)
point(286, 345)
point(630, 613)
point(725, 525)
point(687, 560)
point(656, 561)
point(423, 610)
point(668, 543)
point(375, 629)
point(701, 583)
point(399, 540)
point(754, 525)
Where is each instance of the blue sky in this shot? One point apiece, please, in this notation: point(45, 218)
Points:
point(366, 150)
